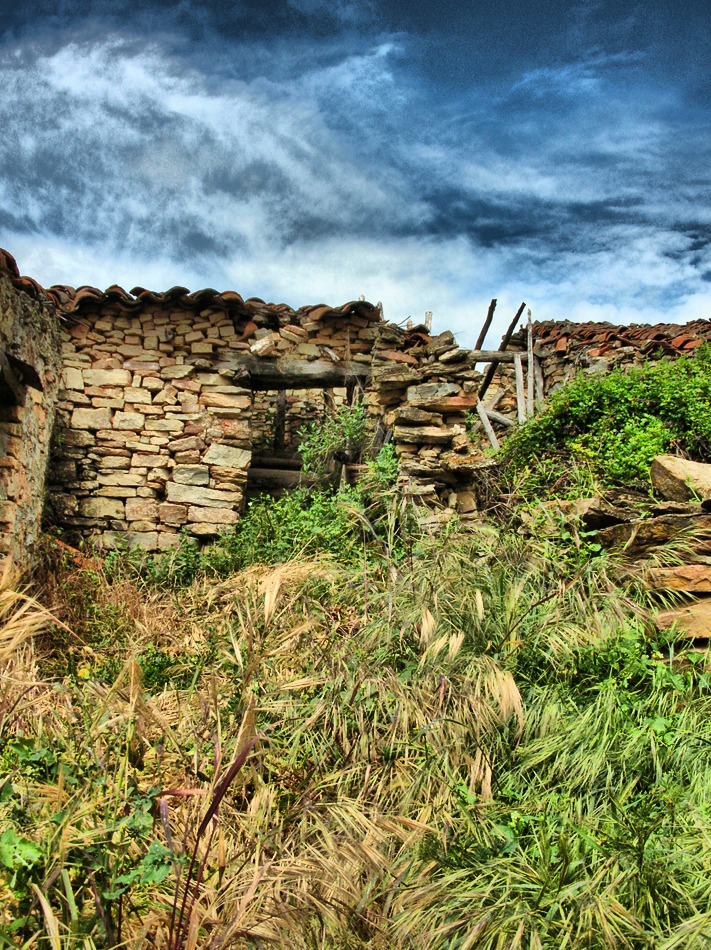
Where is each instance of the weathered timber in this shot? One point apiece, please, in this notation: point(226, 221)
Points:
point(293, 373)
point(487, 324)
point(520, 397)
point(504, 343)
point(487, 426)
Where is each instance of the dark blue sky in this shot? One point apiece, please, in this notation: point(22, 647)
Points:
point(427, 155)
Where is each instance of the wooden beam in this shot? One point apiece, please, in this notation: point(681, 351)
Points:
point(487, 323)
point(531, 371)
point(520, 398)
point(486, 382)
point(289, 372)
point(487, 426)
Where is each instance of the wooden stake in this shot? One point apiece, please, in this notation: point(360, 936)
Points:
point(487, 426)
point(520, 398)
point(529, 347)
point(486, 382)
point(487, 323)
point(538, 375)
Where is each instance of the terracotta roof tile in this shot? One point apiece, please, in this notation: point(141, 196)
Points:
point(71, 301)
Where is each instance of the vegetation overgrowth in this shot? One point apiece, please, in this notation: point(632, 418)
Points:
point(611, 426)
point(336, 731)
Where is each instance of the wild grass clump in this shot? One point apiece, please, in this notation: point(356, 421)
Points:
point(481, 744)
point(612, 426)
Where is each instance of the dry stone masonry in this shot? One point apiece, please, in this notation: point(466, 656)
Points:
point(164, 401)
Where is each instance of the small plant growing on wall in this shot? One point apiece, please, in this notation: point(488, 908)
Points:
point(341, 436)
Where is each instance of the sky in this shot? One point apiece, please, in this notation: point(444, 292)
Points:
point(430, 156)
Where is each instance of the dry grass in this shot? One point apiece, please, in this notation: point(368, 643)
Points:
point(434, 760)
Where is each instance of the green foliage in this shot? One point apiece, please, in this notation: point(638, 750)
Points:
point(341, 436)
point(614, 425)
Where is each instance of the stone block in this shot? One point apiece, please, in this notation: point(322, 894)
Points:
point(225, 401)
point(679, 479)
point(419, 435)
point(101, 508)
point(129, 420)
point(205, 529)
point(163, 425)
point(173, 514)
point(137, 394)
point(107, 377)
point(223, 516)
point(91, 419)
point(202, 497)
point(72, 378)
point(141, 509)
point(227, 456)
point(191, 474)
point(177, 372)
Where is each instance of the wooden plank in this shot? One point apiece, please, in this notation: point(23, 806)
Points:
point(500, 418)
point(538, 374)
point(531, 371)
point(290, 372)
point(520, 399)
point(487, 426)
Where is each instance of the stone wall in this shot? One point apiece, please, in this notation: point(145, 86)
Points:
point(166, 396)
point(29, 381)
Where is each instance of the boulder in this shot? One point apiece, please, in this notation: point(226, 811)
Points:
point(679, 479)
point(694, 620)
point(690, 578)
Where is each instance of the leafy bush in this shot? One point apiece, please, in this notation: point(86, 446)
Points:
point(341, 436)
point(616, 424)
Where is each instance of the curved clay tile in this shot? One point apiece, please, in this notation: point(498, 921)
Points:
point(8, 263)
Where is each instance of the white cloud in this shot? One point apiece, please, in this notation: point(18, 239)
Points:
point(128, 166)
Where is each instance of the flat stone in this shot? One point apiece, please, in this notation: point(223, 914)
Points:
point(202, 497)
point(419, 435)
point(223, 516)
point(129, 420)
point(91, 419)
point(137, 394)
point(227, 456)
point(412, 415)
point(187, 444)
point(72, 378)
point(694, 620)
point(205, 529)
point(163, 425)
point(679, 479)
point(107, 377)
point(101, 508)
point(177, 372)
point(691, 578)
point(225, 400)
point(141, 509)
point(173, 514)
point(191, 474)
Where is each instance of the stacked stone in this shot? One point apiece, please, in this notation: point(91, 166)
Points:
point(29, 380)
point(424, 393)
point(150, 439)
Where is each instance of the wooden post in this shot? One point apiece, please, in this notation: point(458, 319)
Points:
point(487, 323)
point(538, 375)
point(486, 382)
point(531, 371)
point(428, 320)
point(487, 426)
point(520, 398)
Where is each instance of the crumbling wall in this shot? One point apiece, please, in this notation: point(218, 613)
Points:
point(29, 381)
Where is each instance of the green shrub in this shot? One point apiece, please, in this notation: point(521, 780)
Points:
point(616, 424)
point(341, 436)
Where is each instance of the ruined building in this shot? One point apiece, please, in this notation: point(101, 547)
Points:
point(134, 416)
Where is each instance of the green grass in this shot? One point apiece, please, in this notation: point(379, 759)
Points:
point(481, 743)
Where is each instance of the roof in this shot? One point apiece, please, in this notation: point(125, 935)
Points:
point(603, 339)
point(74, 301)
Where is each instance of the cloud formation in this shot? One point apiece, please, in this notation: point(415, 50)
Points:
point(323, 169)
